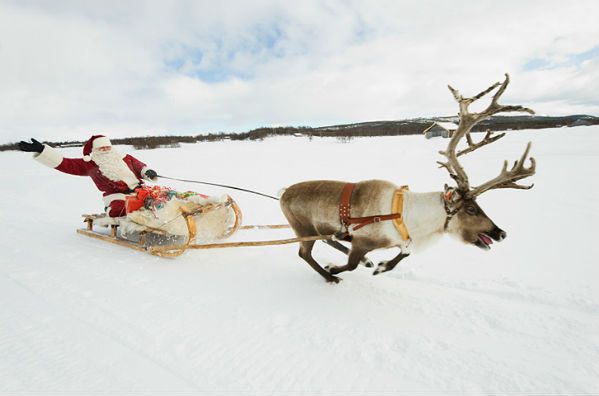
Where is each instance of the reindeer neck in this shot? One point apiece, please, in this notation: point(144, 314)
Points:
point(424, 214)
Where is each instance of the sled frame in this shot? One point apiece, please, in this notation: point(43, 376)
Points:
point(140, 245)
point(171, 251)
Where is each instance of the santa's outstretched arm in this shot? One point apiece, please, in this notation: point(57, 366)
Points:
point(51, 157)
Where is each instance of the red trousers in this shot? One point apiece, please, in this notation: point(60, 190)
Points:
point(117, 208)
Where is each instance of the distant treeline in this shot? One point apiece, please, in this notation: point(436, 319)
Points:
point(345, 132)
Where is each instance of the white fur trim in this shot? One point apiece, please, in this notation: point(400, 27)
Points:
point(114, 197)
point(49, 157)
point(101, 142)
point(107, 221)
point(87, 158)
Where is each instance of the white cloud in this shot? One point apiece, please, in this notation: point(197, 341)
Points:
point(70, 68)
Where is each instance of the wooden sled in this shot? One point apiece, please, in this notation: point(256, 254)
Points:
point(176, 250)
point(141, 244)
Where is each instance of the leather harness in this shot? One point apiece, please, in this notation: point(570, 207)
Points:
point(396, 216)
point(447, 197)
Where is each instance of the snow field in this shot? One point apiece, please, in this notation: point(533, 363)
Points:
point(80, 315)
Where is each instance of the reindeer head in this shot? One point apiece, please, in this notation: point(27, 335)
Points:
point(465, 219)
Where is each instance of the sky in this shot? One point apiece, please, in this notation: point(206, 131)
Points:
point(70, 69)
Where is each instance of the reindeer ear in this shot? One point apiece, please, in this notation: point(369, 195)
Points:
point(451, 194)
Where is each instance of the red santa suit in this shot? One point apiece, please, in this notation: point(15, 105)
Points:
point(115, 182)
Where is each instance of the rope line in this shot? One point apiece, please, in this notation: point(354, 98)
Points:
point(220, 185)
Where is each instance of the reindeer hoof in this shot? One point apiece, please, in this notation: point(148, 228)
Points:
point(368, 264)
point(334, 279)
point(332, 269)
point(382, 267)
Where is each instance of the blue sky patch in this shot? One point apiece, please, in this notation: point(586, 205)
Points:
point(572, 60)
point(584, 56)
point(536, 64)
point(260, 46)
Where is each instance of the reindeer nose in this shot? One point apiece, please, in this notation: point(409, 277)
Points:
point(502, 235)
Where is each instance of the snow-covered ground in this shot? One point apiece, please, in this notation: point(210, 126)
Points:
point(82, 316)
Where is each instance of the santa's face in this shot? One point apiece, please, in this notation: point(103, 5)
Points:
point(105, 155)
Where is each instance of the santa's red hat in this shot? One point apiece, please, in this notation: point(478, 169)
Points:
point(93, 143)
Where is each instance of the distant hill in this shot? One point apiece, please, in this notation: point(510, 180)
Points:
point(496, 123)
point(346, 132)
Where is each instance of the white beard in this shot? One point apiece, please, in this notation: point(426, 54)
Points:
point(112, 166)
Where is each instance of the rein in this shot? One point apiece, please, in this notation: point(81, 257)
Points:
point(220, 185)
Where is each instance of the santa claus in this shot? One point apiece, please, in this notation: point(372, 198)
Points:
point(115, 174)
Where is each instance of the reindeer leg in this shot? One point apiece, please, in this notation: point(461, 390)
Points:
point(344, 249)
point(385, 266)
point(305, 252)
point(356, 254)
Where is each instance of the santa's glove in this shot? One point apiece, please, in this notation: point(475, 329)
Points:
point(151, 174)
point(35, 147)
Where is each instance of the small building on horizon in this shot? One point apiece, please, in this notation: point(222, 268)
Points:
point(440, 128)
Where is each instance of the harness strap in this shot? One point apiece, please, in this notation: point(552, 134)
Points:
point(345, 205)
point(364, 221)
point(345, 212)
point(446, 197)
point(398, 208)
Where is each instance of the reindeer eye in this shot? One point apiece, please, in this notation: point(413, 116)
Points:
point(471, 210)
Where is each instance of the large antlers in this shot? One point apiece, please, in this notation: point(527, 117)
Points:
point(468, 120)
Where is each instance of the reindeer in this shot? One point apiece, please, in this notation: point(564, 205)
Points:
point(359, 213)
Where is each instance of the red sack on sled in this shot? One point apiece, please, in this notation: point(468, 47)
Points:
point(135, 202)
point(155, 197)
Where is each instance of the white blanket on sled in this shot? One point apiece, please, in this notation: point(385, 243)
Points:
point(210, 225)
